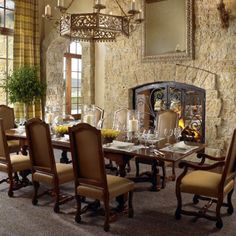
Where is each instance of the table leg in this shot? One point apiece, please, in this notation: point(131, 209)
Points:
point(64, 158)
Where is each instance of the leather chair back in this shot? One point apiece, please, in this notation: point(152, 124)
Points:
point(40, 146)
point(167, 119)
point(99, 116)
point(7, 114)
point(4, 153)
point(87, 155)
point(230, 161)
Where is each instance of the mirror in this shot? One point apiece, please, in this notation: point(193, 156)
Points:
point(168, 30)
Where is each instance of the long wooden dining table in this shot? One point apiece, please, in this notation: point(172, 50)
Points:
point(120, 156)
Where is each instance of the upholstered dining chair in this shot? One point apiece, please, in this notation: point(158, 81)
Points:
point(99, 117)
point(120, 119)
point(7, 114)
point(167, 119)
point(206, 184)
point(89, 170)
point(11, 164)
point(44, 168)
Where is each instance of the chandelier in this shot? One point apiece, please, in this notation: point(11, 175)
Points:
point(96, 26)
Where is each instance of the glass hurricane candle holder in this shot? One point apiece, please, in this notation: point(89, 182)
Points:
point(133, 121)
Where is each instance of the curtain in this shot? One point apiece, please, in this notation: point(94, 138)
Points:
point(27, 45)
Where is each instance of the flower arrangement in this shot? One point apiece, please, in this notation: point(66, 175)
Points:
point(61, 129)
point(109, 134)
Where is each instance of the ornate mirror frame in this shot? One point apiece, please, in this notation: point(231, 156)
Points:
point(188, 54)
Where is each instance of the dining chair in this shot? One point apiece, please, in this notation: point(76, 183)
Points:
point(89, 172)
point(44, 168)
point(99, 117)
point(7, 114)
point(206, 184)
point(167, 119)
point(120, 119)
point(11, 164)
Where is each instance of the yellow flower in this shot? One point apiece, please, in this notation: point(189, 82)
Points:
point(109, 133)
point(61, 129)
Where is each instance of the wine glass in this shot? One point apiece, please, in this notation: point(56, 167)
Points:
point(177, 133)
point(168, 133)
point(145, 137)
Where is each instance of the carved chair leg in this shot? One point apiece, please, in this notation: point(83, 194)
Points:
point(137, 167)
point(35, 196)
point(219, 222)
point(78, 212)
point(107, 215)
point(179, 204)
point(57, 202)
point(11, 185)
point(195, 199)
point(230, 209)
point(130, 205)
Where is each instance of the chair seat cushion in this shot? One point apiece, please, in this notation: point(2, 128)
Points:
point(13, 145)
point(64, 171)
point(18, 162)
point(204, 183)
point(116, 186)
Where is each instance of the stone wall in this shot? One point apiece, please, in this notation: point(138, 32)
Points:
point(213, 69)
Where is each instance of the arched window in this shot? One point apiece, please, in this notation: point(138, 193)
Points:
point(72, 77)
point(7, 8)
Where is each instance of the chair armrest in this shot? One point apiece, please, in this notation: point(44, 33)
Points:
point(186, 165)
point(204, 156)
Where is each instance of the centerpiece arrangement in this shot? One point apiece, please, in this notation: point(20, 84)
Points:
point(109, 135)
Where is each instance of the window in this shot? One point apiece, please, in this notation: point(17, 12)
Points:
point(6, 43)
point(72, 77)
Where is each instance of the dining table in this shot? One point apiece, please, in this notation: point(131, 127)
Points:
point(122, 154)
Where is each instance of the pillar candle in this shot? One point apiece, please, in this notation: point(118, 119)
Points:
point(133, 125)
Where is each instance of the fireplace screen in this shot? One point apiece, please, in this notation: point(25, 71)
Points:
point(187, 100)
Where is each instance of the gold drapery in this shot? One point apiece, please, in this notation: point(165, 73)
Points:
point(27, 45)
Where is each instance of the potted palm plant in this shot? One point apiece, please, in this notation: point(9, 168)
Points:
point(23, 86)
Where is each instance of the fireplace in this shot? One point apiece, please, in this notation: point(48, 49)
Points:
point(187, 100)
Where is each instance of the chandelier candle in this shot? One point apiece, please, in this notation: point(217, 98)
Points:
point(48, 11)
point(60, 3)
point(133, 5)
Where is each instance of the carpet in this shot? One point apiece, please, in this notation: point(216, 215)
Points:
point(153, 215)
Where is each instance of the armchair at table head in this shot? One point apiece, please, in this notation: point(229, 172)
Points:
point(89, 170)
point(10, 164)
point(7, 114)
point(207, 185)
point(167, 119)
point(44, 167)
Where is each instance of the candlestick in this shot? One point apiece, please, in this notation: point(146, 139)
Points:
point(99, 2)
point(48, 10)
